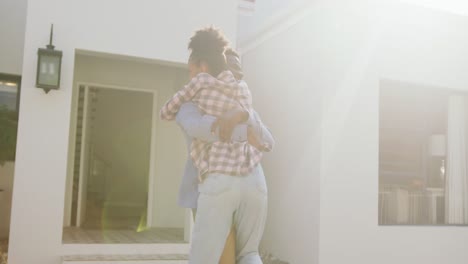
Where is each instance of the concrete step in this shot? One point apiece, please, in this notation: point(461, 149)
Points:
point(126, 259)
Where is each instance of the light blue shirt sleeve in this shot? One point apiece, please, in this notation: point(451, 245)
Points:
point(196, 125)
point(261, 131)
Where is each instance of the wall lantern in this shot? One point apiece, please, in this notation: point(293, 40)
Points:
point(49, 65)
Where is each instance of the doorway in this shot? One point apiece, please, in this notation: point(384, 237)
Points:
point(105, 205)
point(112, 158)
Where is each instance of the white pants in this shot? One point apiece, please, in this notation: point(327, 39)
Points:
point(227, 201)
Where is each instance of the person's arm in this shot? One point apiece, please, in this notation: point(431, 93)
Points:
point(259, 133)
point(170, 109)
point(264, 139)
point(196, 125)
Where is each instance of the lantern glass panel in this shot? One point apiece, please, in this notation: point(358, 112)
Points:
point(49, 70)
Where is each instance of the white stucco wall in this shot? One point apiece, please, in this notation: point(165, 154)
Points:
point(286, 88)
point(453, 6)
point(267, 14)
point(343, 49)
point(150, 29)
point(12, 30)
point(404, 43)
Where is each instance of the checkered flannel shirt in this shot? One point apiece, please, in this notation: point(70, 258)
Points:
point(215, 96)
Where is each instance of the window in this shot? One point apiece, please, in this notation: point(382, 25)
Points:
point(9, 106)
point(423, 155)
point(9, 92)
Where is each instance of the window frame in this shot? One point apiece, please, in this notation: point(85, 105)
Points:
point(15, 79)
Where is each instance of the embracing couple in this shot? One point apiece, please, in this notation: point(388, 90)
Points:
point(223, 181)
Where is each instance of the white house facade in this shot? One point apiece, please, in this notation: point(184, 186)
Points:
point(322, 75)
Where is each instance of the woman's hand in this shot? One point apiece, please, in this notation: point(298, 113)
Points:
point(226, 123)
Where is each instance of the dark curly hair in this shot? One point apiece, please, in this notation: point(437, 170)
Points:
point(207, 45)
